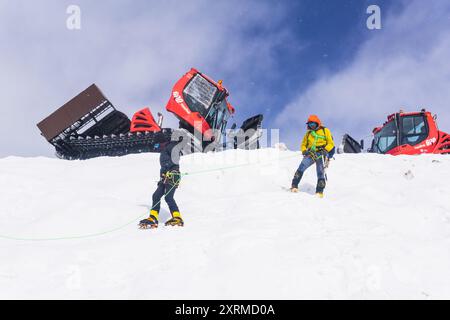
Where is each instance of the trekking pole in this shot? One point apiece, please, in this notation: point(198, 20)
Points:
point(324, 168)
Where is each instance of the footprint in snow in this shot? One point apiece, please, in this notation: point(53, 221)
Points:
point(408, 175)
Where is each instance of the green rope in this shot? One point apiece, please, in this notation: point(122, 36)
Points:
point(97, 234)
point(91, 235)
point(316, 137)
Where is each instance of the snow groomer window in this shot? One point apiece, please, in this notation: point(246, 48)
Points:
point(414, 129)
point(386, 139)
point(200, 93)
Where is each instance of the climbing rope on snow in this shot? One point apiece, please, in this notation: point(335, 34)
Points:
point(85, 236)
point(124, 225)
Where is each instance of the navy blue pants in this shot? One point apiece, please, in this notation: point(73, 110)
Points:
point(168, 190)
point(305, 164)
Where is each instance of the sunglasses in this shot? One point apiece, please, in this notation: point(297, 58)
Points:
point(312, 125)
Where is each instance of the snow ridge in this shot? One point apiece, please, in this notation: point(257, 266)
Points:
point(382, 230)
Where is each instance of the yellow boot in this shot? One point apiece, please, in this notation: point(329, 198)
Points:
point(151, 222)
point(155, 214)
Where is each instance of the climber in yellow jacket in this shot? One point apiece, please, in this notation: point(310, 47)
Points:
point(317, 147)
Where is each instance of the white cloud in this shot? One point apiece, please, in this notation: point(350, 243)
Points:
point(405, 65)
point(134, 51)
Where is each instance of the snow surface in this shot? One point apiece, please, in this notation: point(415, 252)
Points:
point(382, 230)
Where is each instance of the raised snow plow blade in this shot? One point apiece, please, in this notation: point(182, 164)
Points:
point(407, 133)
point(89, 125)
point(350, 145)
point(249, 134)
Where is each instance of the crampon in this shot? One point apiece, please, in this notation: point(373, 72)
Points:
point(149, 223)
point(175, 222)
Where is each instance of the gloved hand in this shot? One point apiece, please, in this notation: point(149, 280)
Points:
point(331, 153)
point(305, 152)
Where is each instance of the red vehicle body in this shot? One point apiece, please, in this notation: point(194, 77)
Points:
point(410, 133)
point(143, 121)
point(197, 114)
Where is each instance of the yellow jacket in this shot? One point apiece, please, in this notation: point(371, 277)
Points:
point(323, 140)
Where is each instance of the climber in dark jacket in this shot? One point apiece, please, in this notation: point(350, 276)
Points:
point(170, 177)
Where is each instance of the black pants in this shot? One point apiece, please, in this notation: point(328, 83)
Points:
point(168, 190)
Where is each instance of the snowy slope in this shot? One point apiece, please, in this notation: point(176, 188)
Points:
point(378, 233)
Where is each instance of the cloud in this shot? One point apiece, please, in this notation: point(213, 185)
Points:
point(403, 66)
point(133, 49)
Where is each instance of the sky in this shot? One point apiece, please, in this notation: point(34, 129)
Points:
point(284, 59)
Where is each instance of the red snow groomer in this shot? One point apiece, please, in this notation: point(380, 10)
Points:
point(404, 133)
point(89, 125)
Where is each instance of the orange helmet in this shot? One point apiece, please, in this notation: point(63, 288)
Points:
point(314, 118)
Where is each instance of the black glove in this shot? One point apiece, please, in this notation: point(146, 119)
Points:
point(305, 153)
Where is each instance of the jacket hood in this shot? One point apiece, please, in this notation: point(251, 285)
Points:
point(314, 118)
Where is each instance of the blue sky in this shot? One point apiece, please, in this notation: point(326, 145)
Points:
point(285, 59)
point(325, 35)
